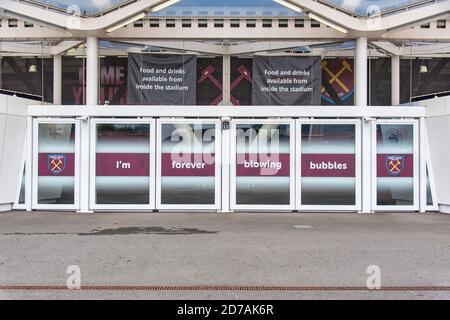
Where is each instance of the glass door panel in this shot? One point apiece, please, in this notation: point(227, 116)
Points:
point(122, 164)
point(328, 165)
point(396, 165)
point(189, 164)
point(262, 165)
point(55, 145)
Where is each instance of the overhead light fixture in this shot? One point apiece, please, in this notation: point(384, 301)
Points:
point(164, 5)
point(423, 68)
point(123, 24)
point(326, 22)
point(32, 68)
point(289, 5)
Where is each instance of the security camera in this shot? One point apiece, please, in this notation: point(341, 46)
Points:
point(226, 123)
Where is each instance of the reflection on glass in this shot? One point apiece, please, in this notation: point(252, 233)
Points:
point(429, 194)
point(188, 164)
point(328, 167)
point(22, 189)
point(56, 163)
point(395, 164)
point(263, 164)
point(123, 163)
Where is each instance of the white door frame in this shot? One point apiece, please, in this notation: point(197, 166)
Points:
point(218, 166)
point(261, 207)
point(416, 169)
point(429, 167)
point(35, 204)
point(152, 164)
point(17, 205)
point(358, 133)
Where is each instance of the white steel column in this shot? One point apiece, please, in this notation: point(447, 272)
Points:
point(29, 164)
point(423, 166)
point(57, 79)
point(92, 73)
point(84, 165)
point(226, 123)
point(366, 141)
point(366, 166)
point(361, 72)
point(395, 80)
point(226, 80)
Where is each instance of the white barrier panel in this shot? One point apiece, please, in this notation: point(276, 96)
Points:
point(13, 123)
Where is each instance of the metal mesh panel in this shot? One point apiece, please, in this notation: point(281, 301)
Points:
point(337, 81)
point(113, 80)
point(405, 81)
point(48, 80)
point(380, 88)
point(430, 76)
point(73, 81)
point(31, 76)
point(209, 81)
point(241, 81)
point(423, 78)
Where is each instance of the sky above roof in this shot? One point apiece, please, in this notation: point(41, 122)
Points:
point(233, 7)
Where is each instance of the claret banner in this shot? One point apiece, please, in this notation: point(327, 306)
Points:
point(286, 80)
point(162, 79)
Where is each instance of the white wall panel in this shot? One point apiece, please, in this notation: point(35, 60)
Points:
point(438, 126)
point(13, 112)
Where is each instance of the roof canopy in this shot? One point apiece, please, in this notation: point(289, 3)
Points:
point(236, 7)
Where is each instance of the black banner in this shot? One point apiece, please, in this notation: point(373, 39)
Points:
point(225, 309)
point(285, 80)
point(162, 79)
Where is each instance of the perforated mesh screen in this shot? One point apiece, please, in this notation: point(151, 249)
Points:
point(423, 78)
point(337, 82)
point(241, 81)
point(73, 81)
point(31, 76)
point(379, 78)
point(209, 81)
point(113, 80)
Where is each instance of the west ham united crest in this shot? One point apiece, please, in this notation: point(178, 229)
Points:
point(395, 165)
point(56, 163)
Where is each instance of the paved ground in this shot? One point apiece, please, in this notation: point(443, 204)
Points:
point(235, 249)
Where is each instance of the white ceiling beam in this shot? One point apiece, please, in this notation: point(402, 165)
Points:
point(380, 23)
point(260, 46)
point(383, 23)
point(65, 46)
point(425, 50)
point(24, 48)
point(389, 47)
point(201, 47)
point(78, 23)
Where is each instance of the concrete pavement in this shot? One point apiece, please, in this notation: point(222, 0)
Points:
point(245, 249)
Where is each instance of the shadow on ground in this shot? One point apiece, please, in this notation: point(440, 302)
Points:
point(125, 231)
